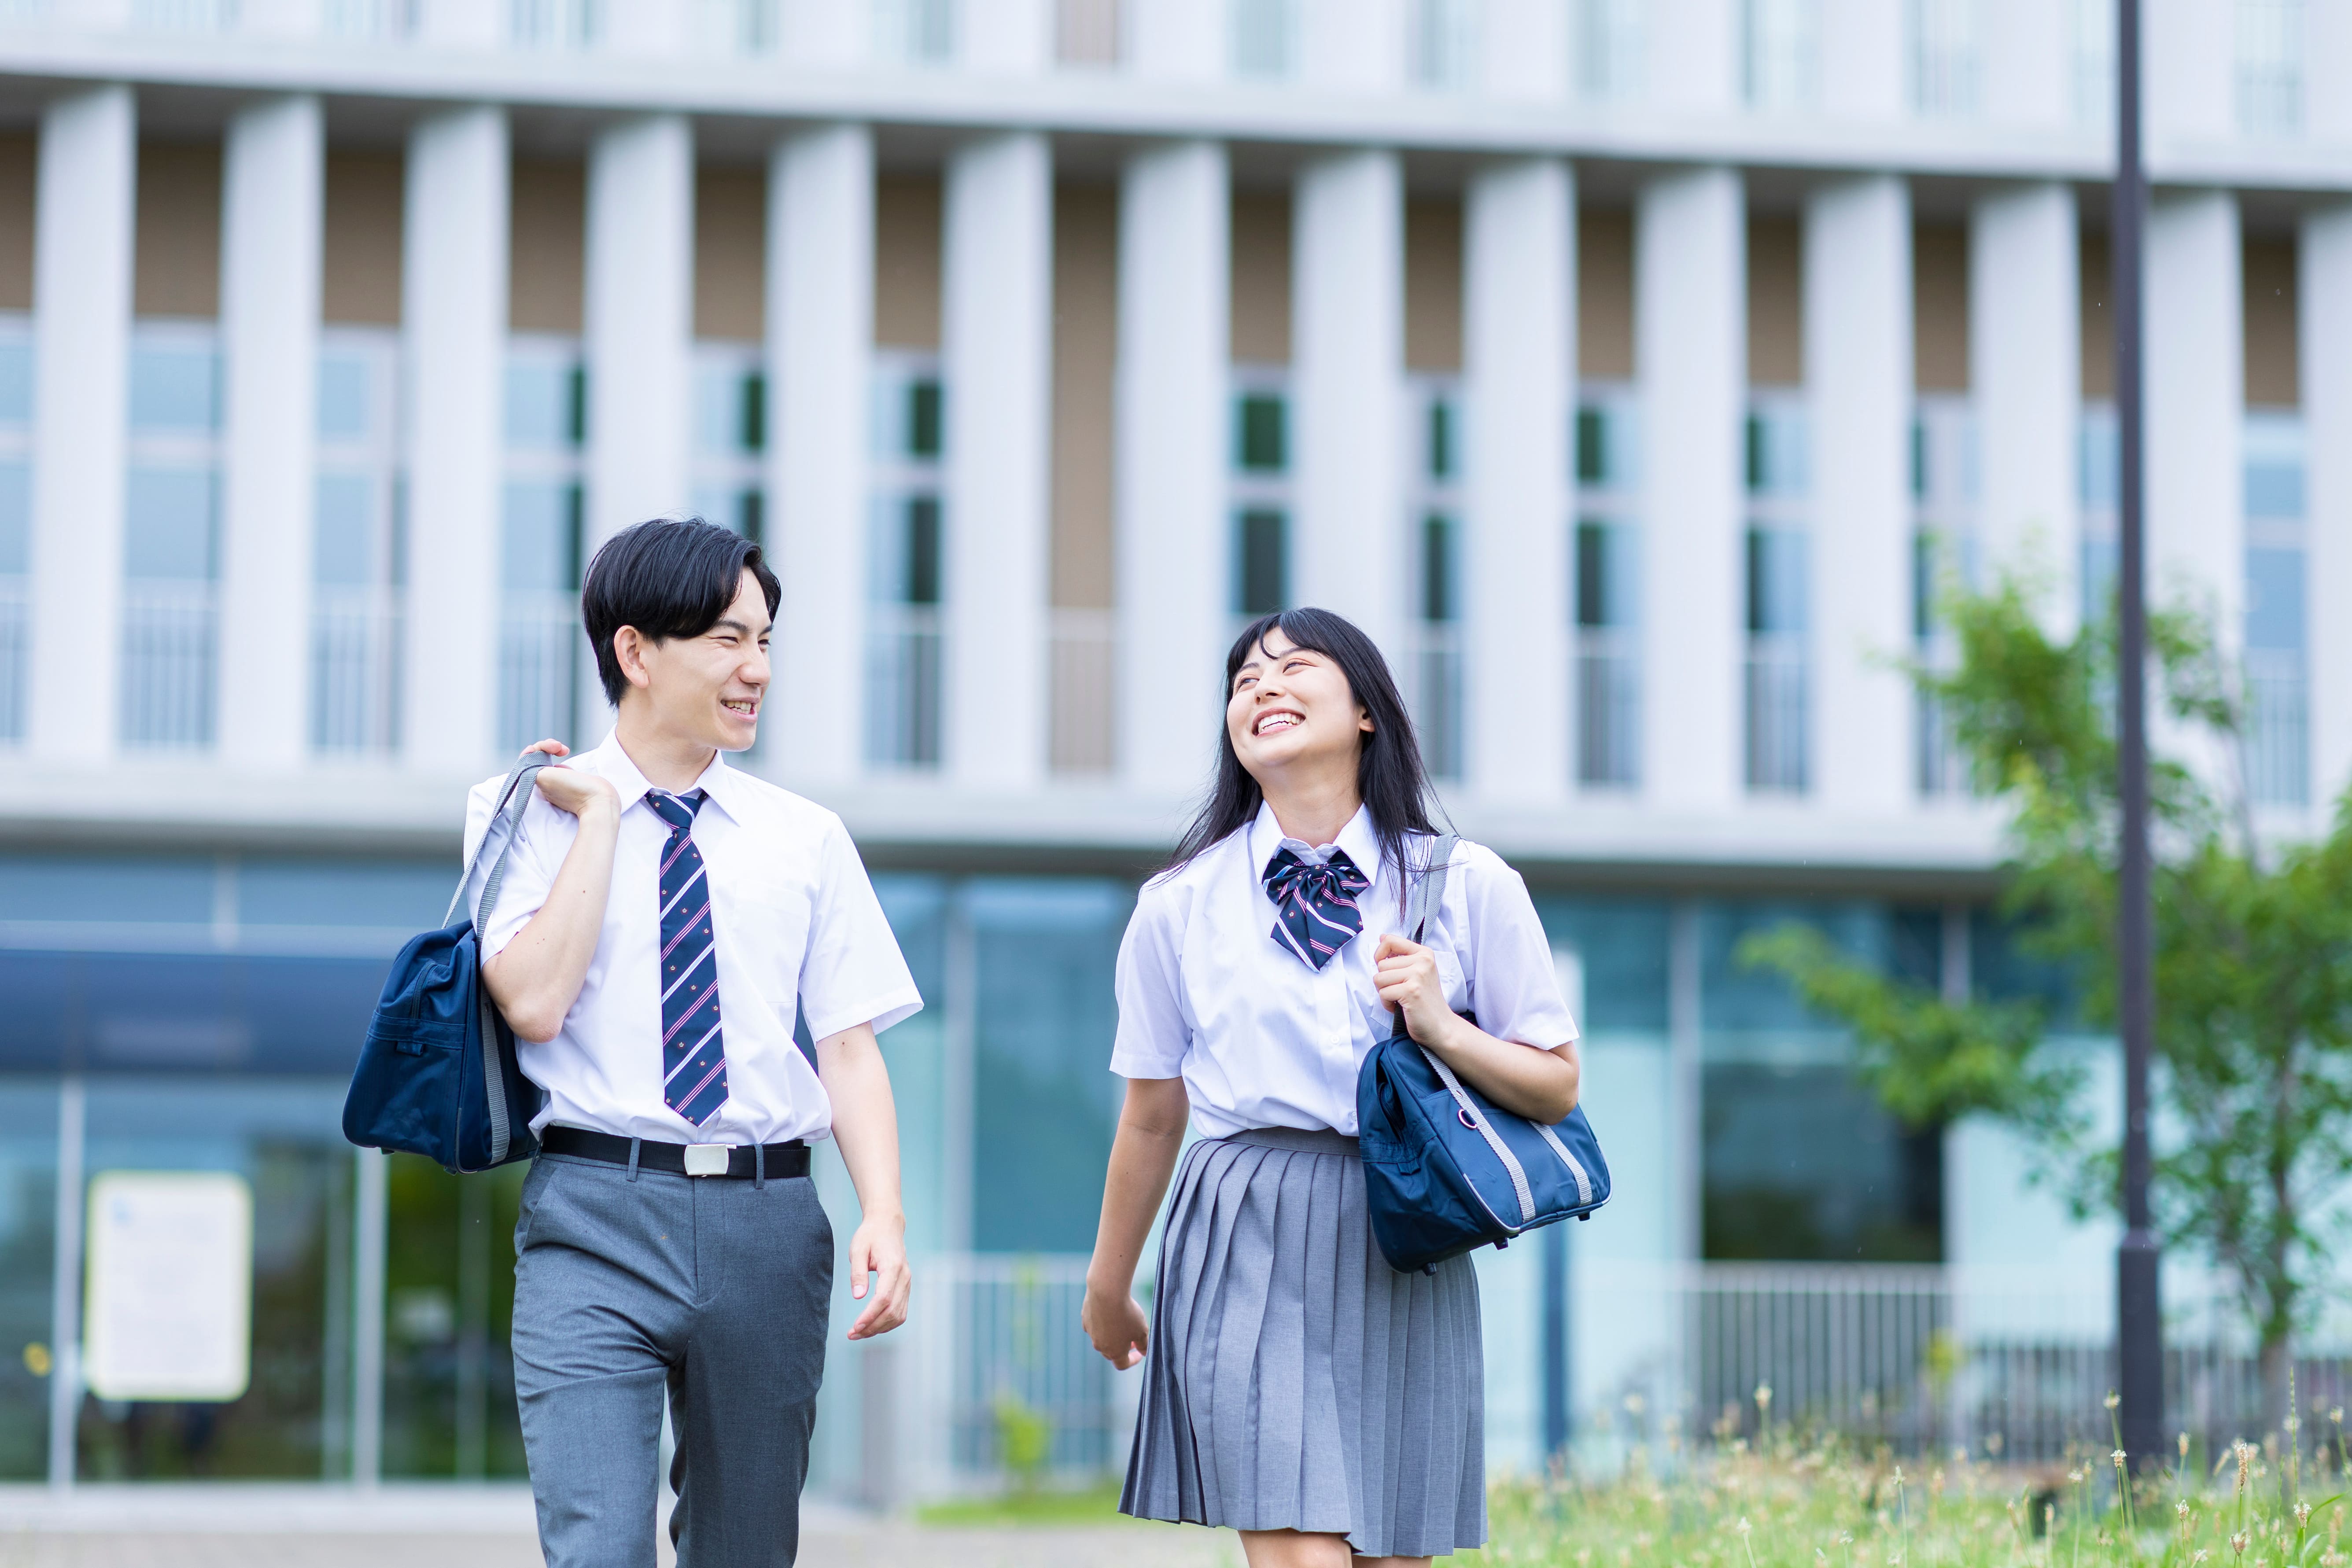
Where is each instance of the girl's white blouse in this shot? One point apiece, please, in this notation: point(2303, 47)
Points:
point(1261, 1040)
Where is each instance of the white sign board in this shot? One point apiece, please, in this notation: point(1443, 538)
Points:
point(169, 1311)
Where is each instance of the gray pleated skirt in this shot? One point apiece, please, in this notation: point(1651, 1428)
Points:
point(1294, 1380)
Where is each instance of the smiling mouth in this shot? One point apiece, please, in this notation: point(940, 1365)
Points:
point(1276, 722)
point(739, 707)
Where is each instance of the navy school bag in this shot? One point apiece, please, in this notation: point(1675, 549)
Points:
point(437, 1076)
point(1445, 1171)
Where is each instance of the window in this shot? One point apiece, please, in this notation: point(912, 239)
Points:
point(1443, 44)
point(1607, 591)
point(1778, 614)
point(2277, 743)
point(359, 545)
point(171, 547)
point(2095, 62)
point(1261, 493)
point(2099, 479)
point(15, 521)
point(1943, 551)
point(1264, 39)
point(915, 32)
point(731, 435)
point(906, 567)
point(1947, 58)
point(2270, 48)
point(555, 24)
point(1435, 675)
point(1609, 49)
point(1782, 60)
point(1087, 32)
point(373, 21)
point(540, 644)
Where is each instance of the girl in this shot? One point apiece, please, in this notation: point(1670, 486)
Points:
point(1299, 1389)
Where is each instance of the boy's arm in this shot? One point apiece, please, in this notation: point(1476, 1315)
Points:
point(537, 977)
point(866, 1125)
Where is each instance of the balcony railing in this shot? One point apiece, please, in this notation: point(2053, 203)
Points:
point(355, 670)
point(169, 656)
point(539, 649)
point(1608, 710)
point(1437, 698)
point(1777, 704)
point(2278, 733)
point(903, 689)
point(1084, 670)
point(15, 636)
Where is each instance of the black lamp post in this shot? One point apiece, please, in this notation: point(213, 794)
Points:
point(2139, 1329)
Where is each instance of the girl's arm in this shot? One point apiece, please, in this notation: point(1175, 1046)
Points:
point(1540, 1085)
point(1143, 1157)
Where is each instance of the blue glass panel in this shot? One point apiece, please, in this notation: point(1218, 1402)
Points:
point(114, 1013)
point(1733, 998)
point(28, 1206)
point(175, 387)
point(410, 896)
point(16, 518)
point(545, 404)
point(2099, 465)
point(2274, 490)
point(171, 524)
point(106, 888)
point(2274, 599)
point(541, 539)
point(1802, 1163)
point(1044, 1101)
point(344, 549)
point(916, 1050)
point(343, 400)
point(1623, 942)
point(1777, 588)
point(15, 382)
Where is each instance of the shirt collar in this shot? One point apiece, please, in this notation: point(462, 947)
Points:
point(1363, 846)
point(718, 781)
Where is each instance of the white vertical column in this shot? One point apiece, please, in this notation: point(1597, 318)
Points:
point(2026, 375)
point(1175, 40)
point(1690, 350)
point(452, 313)
point(2196, 407)
point(820, 345)
point(273, 191)
point(1171, 560)
point(997, 336)
point(1858, 388)
point(1519, 372)
point(640, 321)
point(88, 167)
point(1349, 547)
point(2325, 296)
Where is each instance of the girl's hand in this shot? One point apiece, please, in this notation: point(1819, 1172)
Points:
point(1114, 1321)
point(1409, 983)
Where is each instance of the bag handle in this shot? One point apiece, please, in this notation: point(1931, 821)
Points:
point(1423, 890)
point(513, 796)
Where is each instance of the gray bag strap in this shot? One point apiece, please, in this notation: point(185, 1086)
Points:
point(513, 797)
point(1423, 891)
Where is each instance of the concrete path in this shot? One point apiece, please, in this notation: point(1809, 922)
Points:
point(490, 1527)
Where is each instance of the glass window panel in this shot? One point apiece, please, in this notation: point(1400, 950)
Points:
point(1440, 439)
point(175, 387)
point(1439, 590)
point(2101, 461)
point(2275, 489)
point(2003, 966)
point(408, 896)
point(170, 523)
point(926, 419)
point(286, 1139)
point(29, 1208)
point(541, 544)
point(1802, 1163)
point(1606, 587)
point(718, 414)
point(1776, 581)
point(916, 1050)
point(15, 382)
point(107, 888)
point(448, 1375)
point(1736, 999)
point(546, 403)
point(1042, 1039)
point(1261, 552)
point(1591, 446)
point(345, 544)
point(343, 398)
point(2274, 599)
point(1261, 434)
point(16, 518)
point(1622, 942)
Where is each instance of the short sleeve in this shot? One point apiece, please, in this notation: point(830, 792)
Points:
point(531, 867)
point(1153, 1036)
point(853, 972)
point(1514, 982)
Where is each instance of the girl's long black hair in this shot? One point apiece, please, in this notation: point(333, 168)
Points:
point(1389, 774)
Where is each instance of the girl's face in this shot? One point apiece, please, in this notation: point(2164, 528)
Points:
point(1290, 707)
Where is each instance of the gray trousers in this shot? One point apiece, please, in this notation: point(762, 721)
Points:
point(712, 1291)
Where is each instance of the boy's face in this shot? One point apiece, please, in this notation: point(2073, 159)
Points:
point(708, 689)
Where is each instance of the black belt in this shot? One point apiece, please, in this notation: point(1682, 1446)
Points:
point(774, 1161)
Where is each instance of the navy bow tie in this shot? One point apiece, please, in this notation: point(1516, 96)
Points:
point(1315, 905)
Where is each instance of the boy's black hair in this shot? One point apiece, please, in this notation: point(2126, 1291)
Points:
point(668, 578)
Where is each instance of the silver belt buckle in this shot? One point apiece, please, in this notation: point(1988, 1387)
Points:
point(707, 1159)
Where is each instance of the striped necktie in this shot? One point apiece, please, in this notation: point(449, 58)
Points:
point(694, 1054)
point(1315, 905)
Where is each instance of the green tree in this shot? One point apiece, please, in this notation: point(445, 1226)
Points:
point(2252, 1080)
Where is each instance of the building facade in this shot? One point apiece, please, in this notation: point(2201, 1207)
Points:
point(1634, 370)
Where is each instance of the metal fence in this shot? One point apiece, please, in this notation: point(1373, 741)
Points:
point(1083, 656)
point(539, 649)
point(1437, 697)
point(1607, 709)
point(904, 691)
point(2278, 740)
point(355, 670)
point(1778, 714)
point(169, 649)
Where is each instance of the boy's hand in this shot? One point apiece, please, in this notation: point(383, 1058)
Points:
point(879, 1248)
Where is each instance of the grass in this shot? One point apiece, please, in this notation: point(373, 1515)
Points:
point(1096, 1505)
